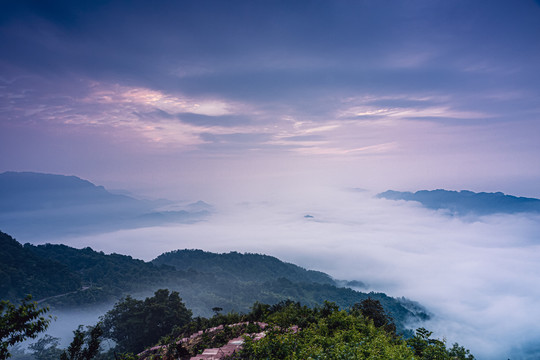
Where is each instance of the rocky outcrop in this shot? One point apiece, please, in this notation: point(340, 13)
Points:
point(228, 349)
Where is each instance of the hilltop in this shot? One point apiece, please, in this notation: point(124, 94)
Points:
point(65, 277)
point(234, 265)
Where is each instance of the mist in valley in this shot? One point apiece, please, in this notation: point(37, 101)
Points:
point(286, 119)
point(477, 276)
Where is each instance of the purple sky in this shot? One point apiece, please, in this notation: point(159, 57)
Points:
point(204, 96)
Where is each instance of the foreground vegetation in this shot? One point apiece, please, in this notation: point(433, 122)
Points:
point(292, 331)
point(338, 334)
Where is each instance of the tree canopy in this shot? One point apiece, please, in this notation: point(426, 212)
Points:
point(327, 332)
point(18, 323)
point(85, 345)
point(134, 324)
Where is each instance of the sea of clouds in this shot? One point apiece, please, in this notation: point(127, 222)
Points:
point(478, 276)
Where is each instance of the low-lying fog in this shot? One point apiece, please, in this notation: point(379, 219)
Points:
point(480, 277)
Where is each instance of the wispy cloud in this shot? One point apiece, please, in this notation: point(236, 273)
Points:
point(414, 107)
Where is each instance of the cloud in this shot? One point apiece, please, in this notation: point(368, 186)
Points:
point(216, 120)
point(361, 76)
point(402, 106)
point(357, 46)
point(303, 138)
point(478, 277)
point(124, 111)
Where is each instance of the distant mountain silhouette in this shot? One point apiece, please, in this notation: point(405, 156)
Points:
point(36, 205)
point(467, 202)
point(28, 191)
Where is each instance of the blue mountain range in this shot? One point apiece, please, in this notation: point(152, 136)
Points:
point(467, 202)
point(37, 206)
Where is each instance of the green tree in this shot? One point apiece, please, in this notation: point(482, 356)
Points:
point(18, 323)
point(217, 310)
point(134, 324)
point(460, 353)
point(287, 313)
point(372, 309)
point(426, 348)
point(77, 349)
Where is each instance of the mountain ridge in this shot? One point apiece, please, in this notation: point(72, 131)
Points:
point(97, 279)
point(44, 206)
point(467, 202)
point(233, 264)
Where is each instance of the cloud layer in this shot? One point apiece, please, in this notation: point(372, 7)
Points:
point(478, 276)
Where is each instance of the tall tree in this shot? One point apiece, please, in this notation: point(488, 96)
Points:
point(77, 349)
point(373, 310)
point(134, 324)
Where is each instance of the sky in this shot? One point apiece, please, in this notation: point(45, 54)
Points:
point(207, 97)
point(272, 110)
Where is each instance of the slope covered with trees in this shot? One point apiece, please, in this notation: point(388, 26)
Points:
point(84, 277)
point(25, 272)
point(242, 267)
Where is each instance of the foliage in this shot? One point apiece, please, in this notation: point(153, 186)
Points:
point(18, 323)
point(77, 349)
point(24, 272)
point(458, 352)
point(433, 349)
point(126, 356)
point(372, 309)
point(241, 267)
point(106, 277)
point(46, 348)
point(326, 332)
point(330, 333)
point(315, 294)
point(134, 324)
point(335, 335)
point(287, 313)
point(84, 346)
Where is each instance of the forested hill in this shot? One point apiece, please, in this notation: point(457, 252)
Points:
point(243, 267)
point(467, 202)
point(24, 272)
point(70, 277)
point(51, 270)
